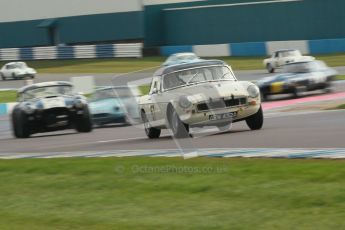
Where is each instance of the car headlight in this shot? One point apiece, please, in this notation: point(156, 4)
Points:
point(253, 91)
point(29, 108)
point(184, 102)
point(78, 103)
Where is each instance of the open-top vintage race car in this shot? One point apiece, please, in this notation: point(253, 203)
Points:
point(197, 94)
point(115, 105)
point(49, 106)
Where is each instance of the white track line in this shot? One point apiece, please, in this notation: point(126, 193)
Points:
point(124, 139)
point(321, 153)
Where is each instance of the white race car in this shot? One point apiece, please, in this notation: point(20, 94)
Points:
point(17, 70)
point(282, 57)
point(197, 94)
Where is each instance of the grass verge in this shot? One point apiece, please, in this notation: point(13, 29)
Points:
point(145, 89)
point(8, 96)
point(125, 65)
point(11, 95)
point(340, 78)
point(141, 193)
point(342, 106)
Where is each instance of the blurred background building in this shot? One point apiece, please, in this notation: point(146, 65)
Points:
point(157, 23)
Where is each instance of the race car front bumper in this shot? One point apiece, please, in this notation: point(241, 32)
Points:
point(221, 116)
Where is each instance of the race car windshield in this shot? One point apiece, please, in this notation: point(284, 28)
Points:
point(182, 57)
point(198, 75)
point(290, 53)
point(21, 65)
point(48, 91)
point(304, 67)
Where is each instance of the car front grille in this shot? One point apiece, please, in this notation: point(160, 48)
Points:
point(100, 115)
point(55, 116)
point(221, 104)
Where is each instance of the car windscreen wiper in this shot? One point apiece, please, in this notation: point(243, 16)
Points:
point(224, 75)
point(192, 78)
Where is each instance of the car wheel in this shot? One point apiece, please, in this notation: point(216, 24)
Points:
point(151, 132)
point(298, 91)
point(270, 68)
point(20, 124)
point(3, 77)
point(14, 76)
point(179, 129)
point(256, 121)
point(83, 122)
point(328, 87)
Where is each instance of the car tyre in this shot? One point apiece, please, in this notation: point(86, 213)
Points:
point(179, 129)
point(270, 68)
point(256, 121)
point(83, 122)
point(328, 87)
point(20, 124)
point(151, 132)
point(3, 77)
point(298, 91)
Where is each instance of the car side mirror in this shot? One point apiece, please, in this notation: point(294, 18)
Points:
point(154, 91)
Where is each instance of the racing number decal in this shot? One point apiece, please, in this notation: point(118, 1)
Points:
point(152, 110)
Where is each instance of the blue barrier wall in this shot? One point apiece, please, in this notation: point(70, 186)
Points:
point(106, 50)
point(71, 52)
point(325, 46)
point(248, 49)
point(26, 53)
point(3, 109)
point(168, 50)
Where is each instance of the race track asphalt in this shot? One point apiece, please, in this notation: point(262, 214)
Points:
point(297, 130)
point(281, 130)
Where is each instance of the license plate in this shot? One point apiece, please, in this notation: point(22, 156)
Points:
point(230, 115)
point(53, 103)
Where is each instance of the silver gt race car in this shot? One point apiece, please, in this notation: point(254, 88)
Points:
point(198, 94)
point(49, 106)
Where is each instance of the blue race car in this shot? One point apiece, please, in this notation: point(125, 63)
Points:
point(180, 58)
point(297, 78)
point(115, 105)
